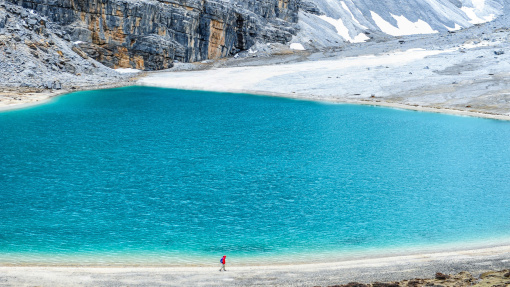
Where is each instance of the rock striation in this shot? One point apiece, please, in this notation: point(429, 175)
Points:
point(152, 34)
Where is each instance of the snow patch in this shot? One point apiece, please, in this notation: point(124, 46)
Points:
point(475, 44)
point(360, 38)
point(456, 28)
point(404, 26)
point(297, 46)
point(352, 15)
point(470, 12)
point(479, 4)
point(339, 26)
point(127, 70)
point(344, 31)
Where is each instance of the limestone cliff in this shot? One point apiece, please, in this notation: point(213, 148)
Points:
point(33, 58)
point(151, 34)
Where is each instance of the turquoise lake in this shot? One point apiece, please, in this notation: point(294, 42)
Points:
point(157, 176)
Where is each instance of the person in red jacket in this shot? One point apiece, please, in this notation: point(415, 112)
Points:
point(223, 261)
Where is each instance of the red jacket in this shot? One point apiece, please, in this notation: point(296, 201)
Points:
point(223, 259)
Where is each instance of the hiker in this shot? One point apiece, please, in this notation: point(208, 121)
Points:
point(222, 260)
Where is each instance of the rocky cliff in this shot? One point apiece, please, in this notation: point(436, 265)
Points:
point(34, 58)
point(151, 34)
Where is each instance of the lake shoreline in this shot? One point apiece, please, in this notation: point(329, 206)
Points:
point(425, 80)
point(387, 269)
point(15, 99)
point(28, 100)
point(372, 102)
point(386, 255)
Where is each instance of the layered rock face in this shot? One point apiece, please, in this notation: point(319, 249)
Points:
point(34, 58)
point(151, 34)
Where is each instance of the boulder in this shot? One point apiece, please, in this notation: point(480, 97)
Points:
point(56, 85)
point(441, 276)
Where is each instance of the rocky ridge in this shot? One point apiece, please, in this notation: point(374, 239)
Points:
point(151, 34)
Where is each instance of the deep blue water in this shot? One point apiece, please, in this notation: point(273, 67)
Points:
point(157, 176)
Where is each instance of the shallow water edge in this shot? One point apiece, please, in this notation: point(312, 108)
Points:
point(28, 103)
point(445, 252)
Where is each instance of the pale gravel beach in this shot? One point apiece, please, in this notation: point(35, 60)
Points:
point(386, 269)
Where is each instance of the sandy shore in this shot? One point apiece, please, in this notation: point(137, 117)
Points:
point(385, 269)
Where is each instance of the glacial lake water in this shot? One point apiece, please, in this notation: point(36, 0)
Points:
point(157, 176)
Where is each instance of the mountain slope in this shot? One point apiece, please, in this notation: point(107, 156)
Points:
point(326, 23)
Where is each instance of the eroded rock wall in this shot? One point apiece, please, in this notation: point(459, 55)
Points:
point(151, 34)
point(33, 58)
